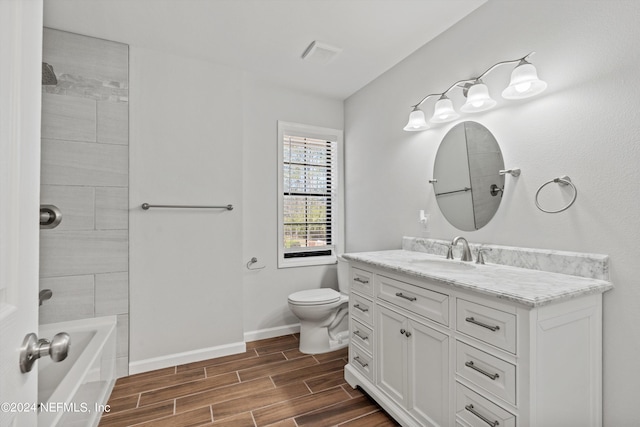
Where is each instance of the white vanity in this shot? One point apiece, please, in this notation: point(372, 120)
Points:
point(440, 342)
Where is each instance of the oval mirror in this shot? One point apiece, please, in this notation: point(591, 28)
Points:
point(467, 184)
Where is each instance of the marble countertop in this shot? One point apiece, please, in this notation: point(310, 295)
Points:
point(532, 288)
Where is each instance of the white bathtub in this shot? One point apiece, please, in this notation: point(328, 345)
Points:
point(73, 392)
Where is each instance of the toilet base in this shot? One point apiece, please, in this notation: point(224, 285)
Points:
point(315, 340)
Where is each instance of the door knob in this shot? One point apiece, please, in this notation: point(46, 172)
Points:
point(33, 349)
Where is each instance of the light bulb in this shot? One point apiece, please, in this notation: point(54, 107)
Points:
point(478, 99)
point(522, 87)
point(416, 121)
point(443, 111)
point(524, 82)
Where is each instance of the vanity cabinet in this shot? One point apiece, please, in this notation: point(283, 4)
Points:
point(442, 355)
point(413, 365)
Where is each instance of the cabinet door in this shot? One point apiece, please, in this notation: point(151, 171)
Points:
point(428, 375)
point(391, 356)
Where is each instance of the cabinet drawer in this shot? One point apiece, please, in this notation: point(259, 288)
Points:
point(480, 412)
point(362, 281)
point(486, 371)
point(430, 304)
point(362, 335)
point(361, 308)
point(360, 360)
point(487, 324)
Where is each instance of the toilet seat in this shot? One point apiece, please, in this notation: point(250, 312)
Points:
point(314, 297)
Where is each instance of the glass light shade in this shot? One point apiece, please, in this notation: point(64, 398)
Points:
point(444, 111)
point(524, 82)
point(417, 121)
point(478, 99)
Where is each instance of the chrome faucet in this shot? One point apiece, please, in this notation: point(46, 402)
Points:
point(466, 253)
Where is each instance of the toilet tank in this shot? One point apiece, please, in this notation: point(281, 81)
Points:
point(343, 275)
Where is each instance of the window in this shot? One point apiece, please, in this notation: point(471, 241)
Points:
point(310, 213)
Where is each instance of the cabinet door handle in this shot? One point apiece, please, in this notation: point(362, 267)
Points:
point(405, 333)
point(357, 279)
point(482, 417)
point(399, 294)
point(359, 335)
point(471, 365)
point(484, 325)
point(361, 363)
point(364, 310)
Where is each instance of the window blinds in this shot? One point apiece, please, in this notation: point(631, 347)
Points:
point(309, 167)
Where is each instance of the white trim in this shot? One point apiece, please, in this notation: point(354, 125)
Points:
point(277, 331)
point(185, 357)
point(338, 211)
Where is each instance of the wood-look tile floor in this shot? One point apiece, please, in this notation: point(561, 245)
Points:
point(272, 383)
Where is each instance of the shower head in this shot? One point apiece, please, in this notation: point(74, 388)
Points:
point(48, 76)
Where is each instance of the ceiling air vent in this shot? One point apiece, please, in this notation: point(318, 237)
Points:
point(320, 52)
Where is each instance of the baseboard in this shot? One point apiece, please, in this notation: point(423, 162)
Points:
point(278, 331)
point(186, 357)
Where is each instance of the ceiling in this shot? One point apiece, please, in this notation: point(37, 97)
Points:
point(266, 38)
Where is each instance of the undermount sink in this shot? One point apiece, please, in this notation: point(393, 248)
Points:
point(444, 264)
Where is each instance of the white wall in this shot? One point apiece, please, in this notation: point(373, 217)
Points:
point(266, 290)
point(185, 265)
point(202, 133)
point(586, 126)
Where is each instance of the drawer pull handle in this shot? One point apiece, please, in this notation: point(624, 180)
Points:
point(399, 294)
point(484, 325)
point(364, 282)
point(482, 417)
point(361, 363)
point(471, 365)
point(364, 310)
point(359, 335)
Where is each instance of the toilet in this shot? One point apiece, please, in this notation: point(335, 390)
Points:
point(322, 313)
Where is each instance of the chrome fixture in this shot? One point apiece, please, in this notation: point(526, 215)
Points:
point(44, 295)
point(479, 256)
point(449, 247)
point(48, 75)
point(512, 172)
point(563, 181)
point(466, 252)
point(524, 84)
point(494, 190)
point(33, 349)
point(147, 206)
point(50, 216)
point(252, 261)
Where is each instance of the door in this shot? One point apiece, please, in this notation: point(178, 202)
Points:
point(428, 375)
point(20, 100)
point(391, 341)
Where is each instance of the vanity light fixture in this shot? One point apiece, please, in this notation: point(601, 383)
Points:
point(524, 84)
point(416, 121)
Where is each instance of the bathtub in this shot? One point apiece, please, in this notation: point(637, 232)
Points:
point(74, 392)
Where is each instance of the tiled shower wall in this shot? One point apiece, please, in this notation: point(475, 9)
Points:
point(85, 173)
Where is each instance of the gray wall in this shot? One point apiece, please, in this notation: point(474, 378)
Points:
point(585, 125)
point(85, 173)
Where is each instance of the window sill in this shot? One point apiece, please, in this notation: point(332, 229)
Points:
point(306, 261)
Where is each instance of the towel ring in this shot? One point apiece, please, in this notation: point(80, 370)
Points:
point(562, 180)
